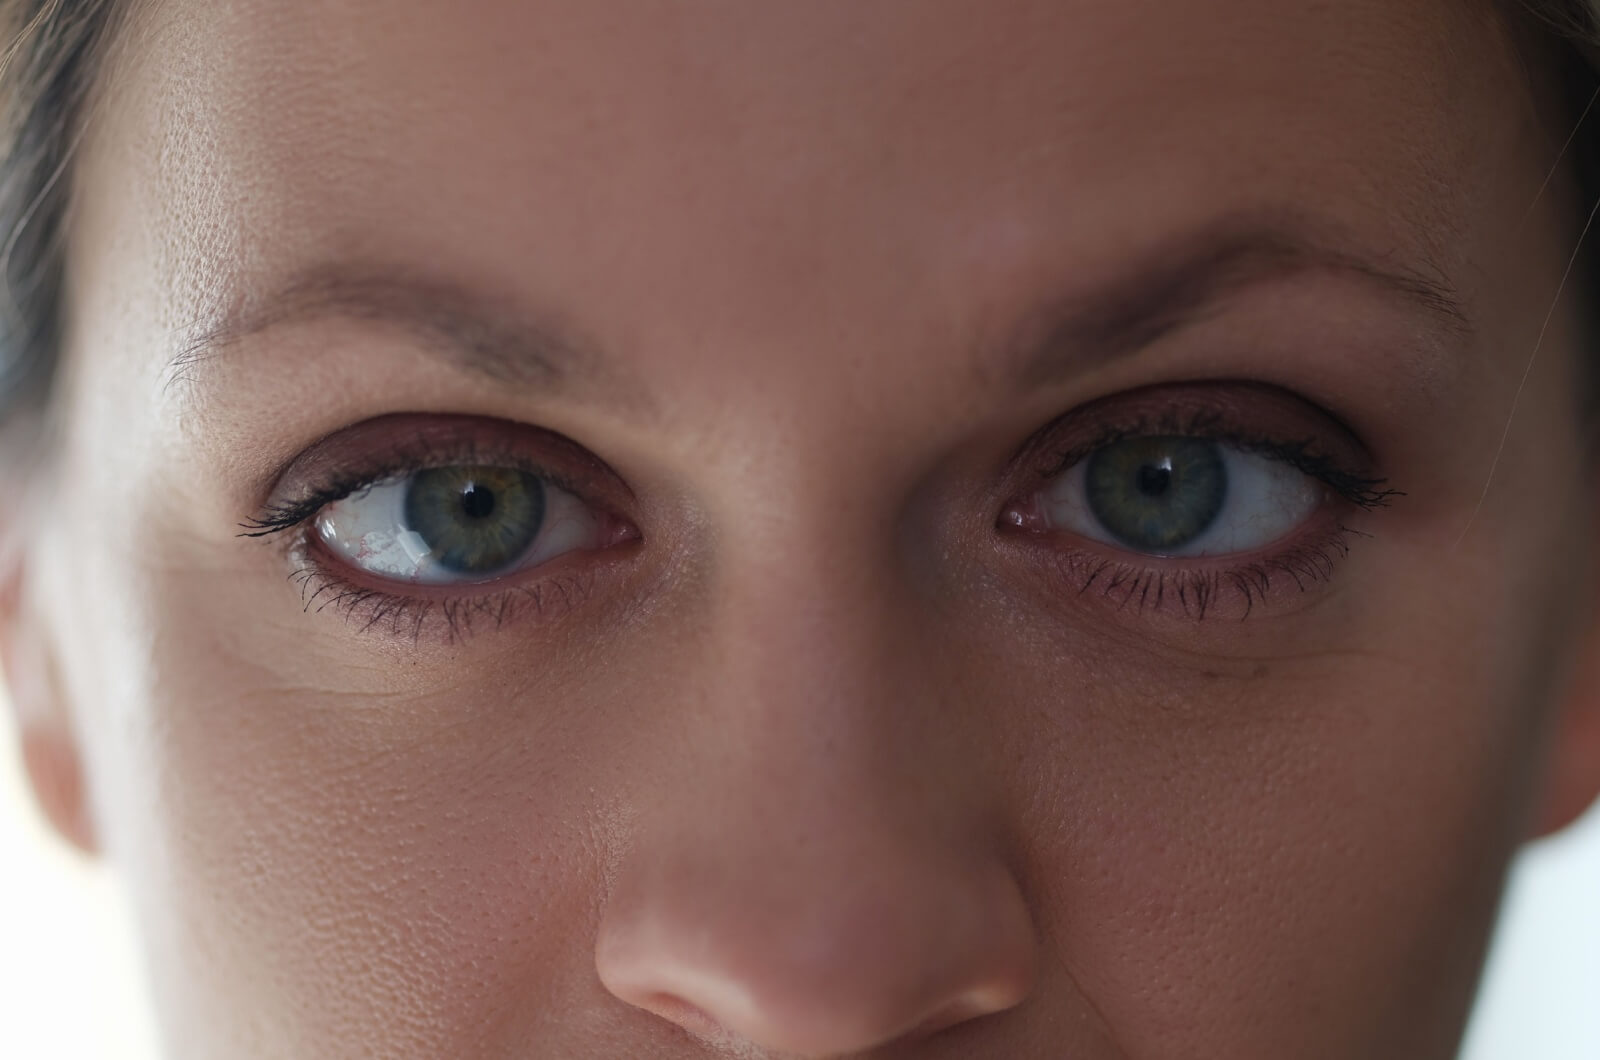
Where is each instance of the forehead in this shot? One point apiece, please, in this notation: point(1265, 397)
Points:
point(661, 173)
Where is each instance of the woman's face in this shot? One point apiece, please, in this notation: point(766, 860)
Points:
point(926, 529)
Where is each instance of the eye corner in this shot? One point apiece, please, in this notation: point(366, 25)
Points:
point(1022, 515)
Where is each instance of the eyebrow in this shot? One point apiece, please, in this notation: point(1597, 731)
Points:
point(1184, 280)
point(1171, 287)
point(481, 335)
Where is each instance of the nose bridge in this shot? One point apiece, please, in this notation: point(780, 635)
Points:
point(819, 879)
point(815, 672)
point(800, 692)
point(813, 677)
point(812, 626)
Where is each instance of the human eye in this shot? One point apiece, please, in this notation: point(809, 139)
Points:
point(1179, 495)
point(456, 524)
point(1191, 498)
point(406, 520)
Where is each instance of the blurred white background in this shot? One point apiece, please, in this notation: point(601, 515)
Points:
point(70, 988)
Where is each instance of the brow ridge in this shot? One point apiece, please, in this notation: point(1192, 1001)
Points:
point(1184, 281)
point(483, 335)
point(1175, 285)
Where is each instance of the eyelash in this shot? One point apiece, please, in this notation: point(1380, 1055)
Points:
point(410, 616)
point(402, 614)
point(1197, 591)
point(1131, 583)
point(1127, 582)
point(276, 518)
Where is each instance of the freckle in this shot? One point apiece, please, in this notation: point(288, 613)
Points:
point(1210, 675)
point(1260, 671)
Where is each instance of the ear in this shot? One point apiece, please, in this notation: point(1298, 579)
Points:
point(44, 723)
point(1571, 780)
point(1572, 776)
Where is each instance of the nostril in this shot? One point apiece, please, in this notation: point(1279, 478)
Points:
point(935, 1023)
point(840, 988)
point(959, 1011)
point(774, 960)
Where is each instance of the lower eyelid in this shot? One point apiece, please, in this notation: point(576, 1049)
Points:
point(446, 612)
point(542, 588)
point(1191, 587)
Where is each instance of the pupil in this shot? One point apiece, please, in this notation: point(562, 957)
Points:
point(477, 502)
point(1155, 479)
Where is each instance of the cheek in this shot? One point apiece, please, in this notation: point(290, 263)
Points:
point(1208, 850)
point(317, 872)
point(381, 870)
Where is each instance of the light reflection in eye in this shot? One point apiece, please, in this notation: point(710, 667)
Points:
point(1180, 496)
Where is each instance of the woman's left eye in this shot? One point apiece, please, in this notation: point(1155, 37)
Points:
point(1174, 496)
point(457, 524)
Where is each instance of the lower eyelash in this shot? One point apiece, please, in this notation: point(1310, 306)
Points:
point(1195, 593)
point(454, 617)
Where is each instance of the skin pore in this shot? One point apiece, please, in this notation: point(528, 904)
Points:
point(829, 738)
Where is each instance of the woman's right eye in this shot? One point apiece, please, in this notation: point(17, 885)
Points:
point(456, 525)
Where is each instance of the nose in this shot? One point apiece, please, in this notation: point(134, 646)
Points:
point(814, 873)
point(773, 949)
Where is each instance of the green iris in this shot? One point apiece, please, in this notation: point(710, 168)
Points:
point(475, 520)
point(1157, 494)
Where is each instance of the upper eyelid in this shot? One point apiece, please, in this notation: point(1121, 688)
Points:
point(366, 453)
point(1364, 491)
point(1251, 416)
point(274, 519)
point(1070, 456)
point(1242, 412)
